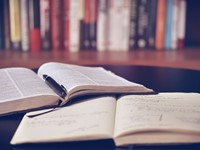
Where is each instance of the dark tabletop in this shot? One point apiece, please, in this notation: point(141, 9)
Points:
point(159, 79)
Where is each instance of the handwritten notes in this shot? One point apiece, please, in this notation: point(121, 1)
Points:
point(174, 111)
point(91, 118)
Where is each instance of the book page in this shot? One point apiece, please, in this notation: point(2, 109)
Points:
point(165, 111)
point(72, 76)
point(18, 83)
point(86, 120)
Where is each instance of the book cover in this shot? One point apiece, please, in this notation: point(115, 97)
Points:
point(24, 24)
point(45, 24)
point(34, 25)
point(15, 25)
point(57, 25)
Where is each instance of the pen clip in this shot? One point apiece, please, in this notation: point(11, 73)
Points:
point(32, 114)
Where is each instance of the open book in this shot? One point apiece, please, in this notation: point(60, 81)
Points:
point(132, 119)
point(22, 89)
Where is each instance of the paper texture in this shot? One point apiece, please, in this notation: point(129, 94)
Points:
point(18, 83)
point(89, 119)
point(165, 111)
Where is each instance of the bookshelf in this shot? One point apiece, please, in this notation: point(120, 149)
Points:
point(183, 58)
point(187, 58)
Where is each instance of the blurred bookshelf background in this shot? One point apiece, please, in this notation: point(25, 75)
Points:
point(96, 32)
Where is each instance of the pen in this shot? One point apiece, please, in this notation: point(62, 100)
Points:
point(58, 89)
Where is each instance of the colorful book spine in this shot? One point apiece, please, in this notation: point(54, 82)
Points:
point(182, 22)
point(66, 25)
point(15, 25)
point(1, 25)
point(133, 25)
point(102, 25)
point(24, 24)
point(86, 31)
point(112, 26)
point(57, 24)
point(160, 25)
point(143, 22)
point(74, 24)
point(45, 24)
point(152, 12)
point(93, 24)
point(174, 34)
point(125, 25)
point(168, 31)
point(118, 25)
point(34, 25)
point(82, 28)
point(6, 25)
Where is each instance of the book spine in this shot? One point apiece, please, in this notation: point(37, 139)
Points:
point(168, 31)
point(93, 24)
point(24, 25)
point(1, 25)
point(74, 24)
point(15, 27)
point(160, 26)
point(82, 29)
point(174, 36)
point(143, 23)
point(152, 10)
point(66, 24)
point(133, 24)
point(6, 25)
point(34, 25)
point(45, 24)
point(86, 30)
point(115, 25)
point(182, 22)
point(125, 25)
point(102, 25)
point(57, 25)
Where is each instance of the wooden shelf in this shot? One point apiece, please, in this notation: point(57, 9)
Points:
point(186, 58)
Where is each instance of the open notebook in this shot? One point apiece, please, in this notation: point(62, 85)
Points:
point(131, 119)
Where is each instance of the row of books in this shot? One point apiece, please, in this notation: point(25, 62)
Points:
point(92, 24)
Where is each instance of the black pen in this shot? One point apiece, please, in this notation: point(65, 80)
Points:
point(58, 89)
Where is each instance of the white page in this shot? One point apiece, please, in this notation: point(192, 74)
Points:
point(168, 111)
point(72, 76)
point(88, 119)
point(18, 83)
